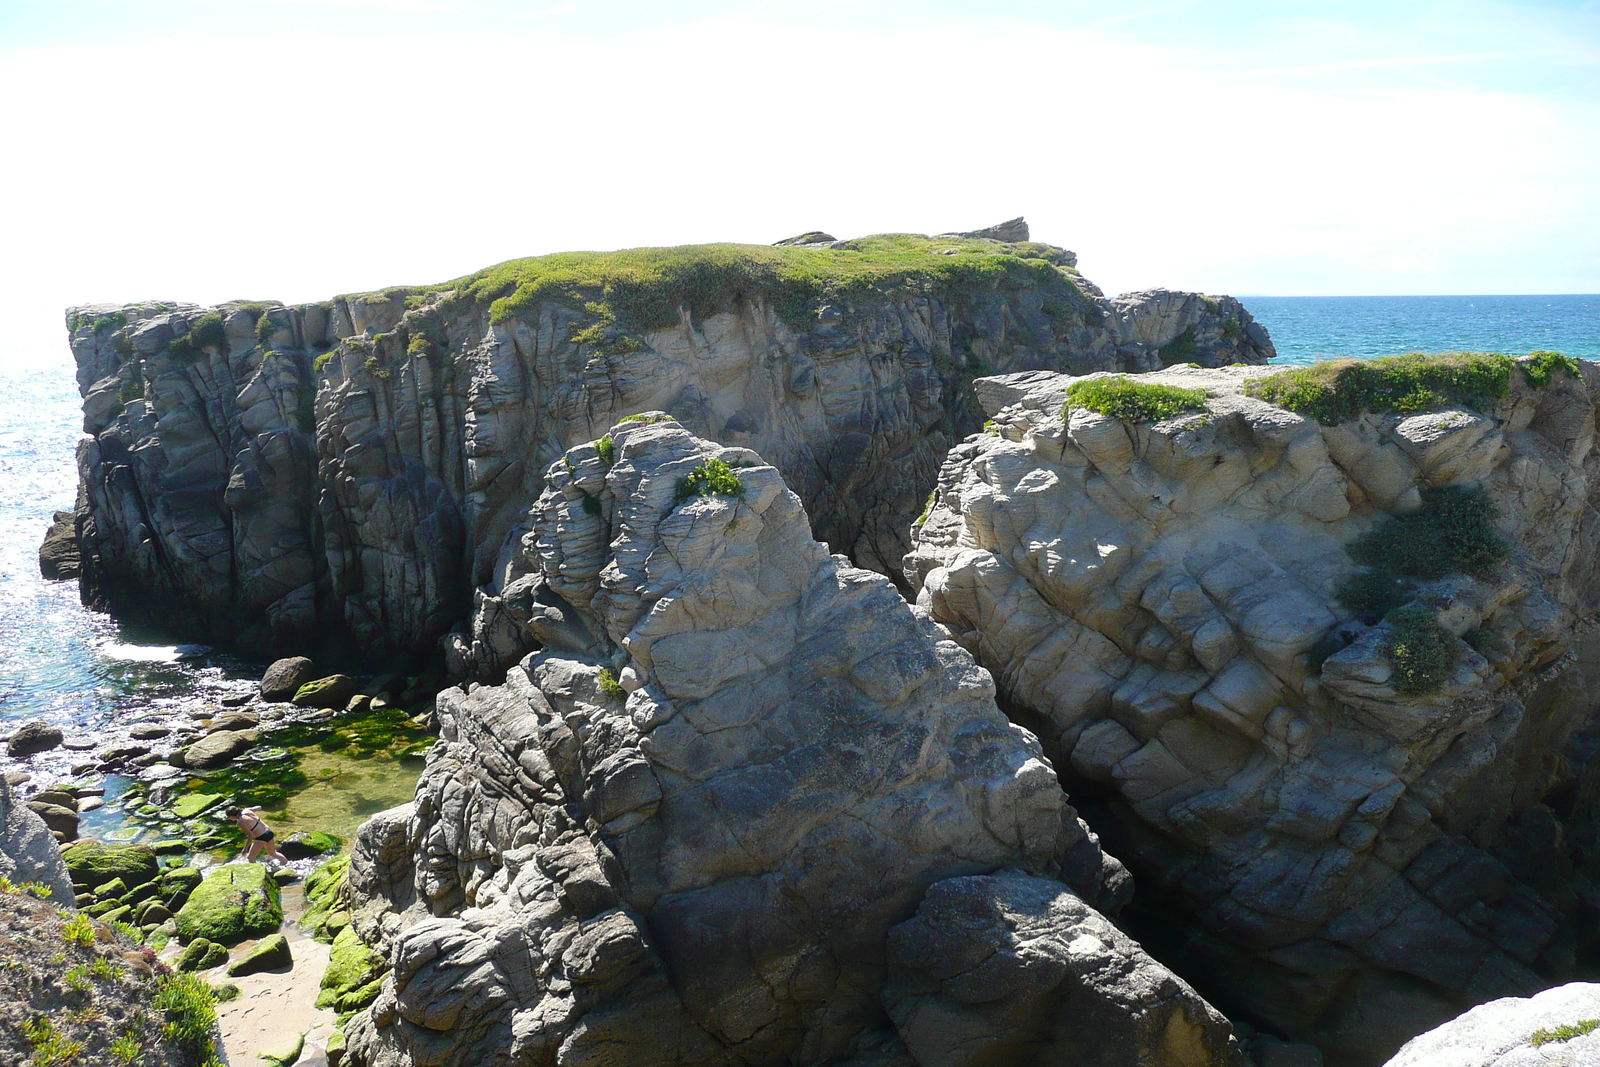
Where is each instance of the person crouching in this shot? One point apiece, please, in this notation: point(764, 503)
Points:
point(256, 829)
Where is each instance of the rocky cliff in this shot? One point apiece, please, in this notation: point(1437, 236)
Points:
point(358, 470)
point(746, 806)
point(1312, 671)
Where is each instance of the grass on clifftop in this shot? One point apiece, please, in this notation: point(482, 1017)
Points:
point(1343, 389)
point(1133, 401)
point(643, 288)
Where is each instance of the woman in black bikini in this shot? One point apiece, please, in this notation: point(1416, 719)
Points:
point(256, 829)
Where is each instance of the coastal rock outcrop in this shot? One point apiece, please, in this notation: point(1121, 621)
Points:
point(355, 473)
point(746, 805)
point(28, 851)
point(1330, 750)
point(1557, 1028)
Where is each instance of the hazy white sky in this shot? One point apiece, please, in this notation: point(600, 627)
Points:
point(292, 149)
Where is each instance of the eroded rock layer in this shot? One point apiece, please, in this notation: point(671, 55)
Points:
point(272, 475)
point(1322, 854)
point(746, 805)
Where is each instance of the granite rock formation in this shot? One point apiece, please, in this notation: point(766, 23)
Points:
point(362, 467)
point(1554, 1029)
point(1324, 856)
point(745, 806)
point(28, 851)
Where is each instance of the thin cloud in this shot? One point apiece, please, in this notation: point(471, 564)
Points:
point(1378, 64)
point(1114, 19)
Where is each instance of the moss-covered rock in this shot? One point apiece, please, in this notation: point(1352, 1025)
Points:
point(326, 913)
point(92, 864)
point(284, 1051)
point(201, 955)
point(334, 691)
point(354, 975)
point(172, 846)
point(308, 843)
point(187, 807)
point(270, 955)
point(234, 902)
point(111, 890)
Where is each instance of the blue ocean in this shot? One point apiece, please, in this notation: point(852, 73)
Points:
point(1308, 328)
point(94, 677)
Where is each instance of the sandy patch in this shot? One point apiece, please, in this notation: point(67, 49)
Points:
point(273, 1006)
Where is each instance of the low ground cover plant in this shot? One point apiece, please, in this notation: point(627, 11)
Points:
point(1131, 400)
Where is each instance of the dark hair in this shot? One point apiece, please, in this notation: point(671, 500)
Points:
point(234, 813)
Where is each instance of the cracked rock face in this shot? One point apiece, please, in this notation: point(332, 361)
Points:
point(1326, 857)
point(363, 467)
point(746, 805)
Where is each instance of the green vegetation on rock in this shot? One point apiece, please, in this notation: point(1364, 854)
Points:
point(1453, 532)
point(270, 954)
point(1541, 366)
point(190, 1009)
point(1130, 400)
point(1342, 389)
point(207, 332)
point(1564, 1032)
point(645, 288)
point(234, 902)
point(611, 687)
point(607, 449)
point(646, 417)
point(326, 912)
point(1420, 651)
point(711, 478)
point(92, 864)
point(354, 975)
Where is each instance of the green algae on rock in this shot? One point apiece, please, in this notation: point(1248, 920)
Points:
point(334, 691)
point(234, 902)
point(327, 913)
point(92, 864)
point(307, 843)
point(201, 954)
point(270, 955)
point(354, 975)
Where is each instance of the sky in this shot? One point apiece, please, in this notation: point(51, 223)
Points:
point(206, 150)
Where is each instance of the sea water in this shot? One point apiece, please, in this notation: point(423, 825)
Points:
point(96, 678)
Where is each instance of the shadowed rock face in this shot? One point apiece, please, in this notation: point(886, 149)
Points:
point(271, 476)
point(1323, 855)
point(747, 805)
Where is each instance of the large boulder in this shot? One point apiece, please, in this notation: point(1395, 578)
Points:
point(285, 677)
point(737, 765)
point(1010, 968)
point(28, 852)
point(235, 901)
point(1557, 1028)
point(334, 691)
point(272, 953)
point(93, 864)
point(216, 749)
point(58, 555)
point(1336, 855)
point(31, 737)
